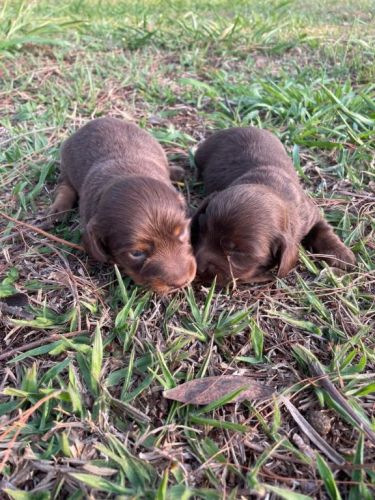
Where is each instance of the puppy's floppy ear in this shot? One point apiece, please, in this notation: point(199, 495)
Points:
point(92, 243)
point(197, 215)
point(287, 254)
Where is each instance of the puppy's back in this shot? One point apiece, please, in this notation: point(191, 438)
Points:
point(122, 143)
point(231, 153)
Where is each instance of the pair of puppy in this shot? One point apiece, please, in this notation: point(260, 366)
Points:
point(253, 219)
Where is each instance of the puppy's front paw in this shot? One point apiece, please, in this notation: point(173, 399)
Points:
point(176, 173)
point(65, 199)
point(342, 257)
point(54, 215)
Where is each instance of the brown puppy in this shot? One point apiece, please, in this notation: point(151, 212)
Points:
point(256, 212)
point(130, 212)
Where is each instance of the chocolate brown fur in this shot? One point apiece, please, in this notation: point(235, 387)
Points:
point(130, 212)
point(256, 212)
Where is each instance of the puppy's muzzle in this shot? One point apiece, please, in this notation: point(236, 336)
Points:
point(165, 278)
point(207, 268)
point(205, 263)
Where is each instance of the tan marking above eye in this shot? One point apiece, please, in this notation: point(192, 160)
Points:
point(140, 248)
point(178, 230)
point(147, 248)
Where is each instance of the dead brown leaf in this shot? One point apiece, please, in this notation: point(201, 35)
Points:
point(206, 390)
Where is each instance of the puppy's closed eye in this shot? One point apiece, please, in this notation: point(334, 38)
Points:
point(238, 259)
point(235, 253)
point(228, 245)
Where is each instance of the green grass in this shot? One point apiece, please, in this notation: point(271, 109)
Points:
point(81, 408)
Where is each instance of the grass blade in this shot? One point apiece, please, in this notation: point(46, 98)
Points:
point(328, 478)
point(97, 356)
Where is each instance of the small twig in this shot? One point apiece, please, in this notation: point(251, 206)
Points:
point(45, 340)
point(36, 229)
point(234, 281)
point(358, 195)
point(304, 447)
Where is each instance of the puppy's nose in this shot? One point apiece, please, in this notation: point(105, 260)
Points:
point(185, 276)
point(165, 276)
point(204, 265)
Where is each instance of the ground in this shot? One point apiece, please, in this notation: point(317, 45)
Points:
point(85, 355)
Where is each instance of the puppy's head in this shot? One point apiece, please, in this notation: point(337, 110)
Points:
point(241, 233)
point(141, 225)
